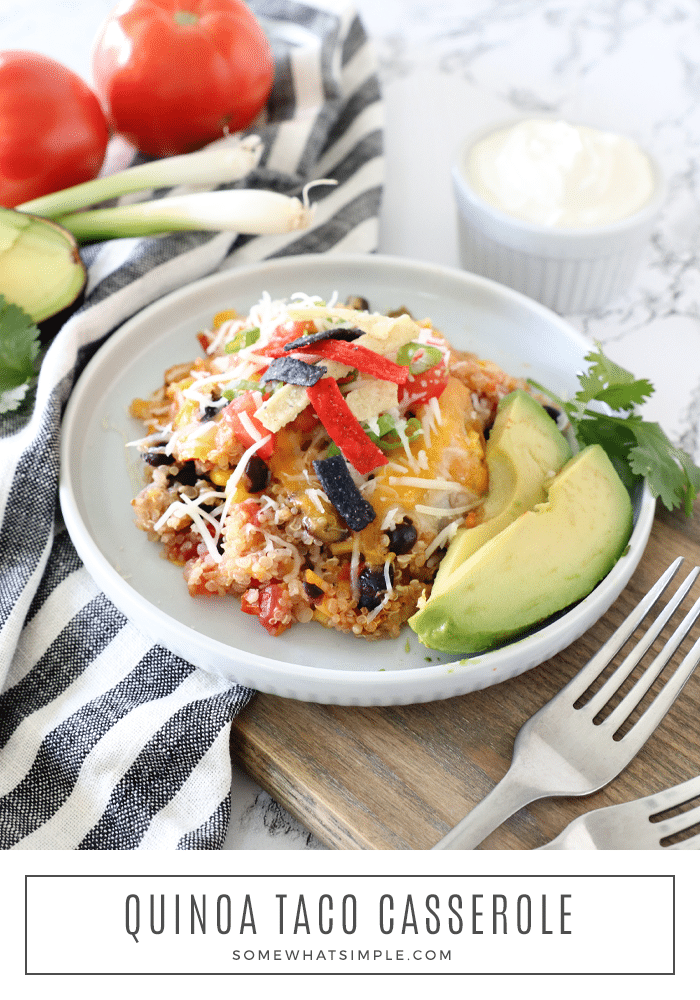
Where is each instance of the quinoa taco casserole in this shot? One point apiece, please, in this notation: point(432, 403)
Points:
point(315, 461)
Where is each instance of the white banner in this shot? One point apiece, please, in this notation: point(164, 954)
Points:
point(428, 924)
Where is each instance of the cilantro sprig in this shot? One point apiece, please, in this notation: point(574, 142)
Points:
point(19, 351)
point(638, 448)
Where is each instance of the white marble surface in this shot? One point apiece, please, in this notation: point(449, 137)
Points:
point(451, 66)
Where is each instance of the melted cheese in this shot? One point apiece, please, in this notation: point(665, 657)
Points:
point(455, 471)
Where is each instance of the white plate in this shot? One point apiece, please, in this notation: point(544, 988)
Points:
point(99, 477)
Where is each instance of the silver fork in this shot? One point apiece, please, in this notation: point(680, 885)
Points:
point(560, 751)
point(634, 826)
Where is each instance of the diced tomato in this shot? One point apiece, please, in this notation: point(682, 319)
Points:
point(421, 388)
point(271, 607)
point(285, 333)
point(250, 601)
point(251, 508)
point(248, 402)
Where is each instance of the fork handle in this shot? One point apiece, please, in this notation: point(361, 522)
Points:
point(506, 798)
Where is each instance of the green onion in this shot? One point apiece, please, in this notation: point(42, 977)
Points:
point(388, 438)
point(241, 386)
point(243, 339)
point(419, 357)
point(252, 212)
point(216, 165)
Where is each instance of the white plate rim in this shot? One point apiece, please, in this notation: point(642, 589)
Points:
point(322, 685)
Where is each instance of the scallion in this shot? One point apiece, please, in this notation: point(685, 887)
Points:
point(219, 164)
point(253, 212)
point(419, 357)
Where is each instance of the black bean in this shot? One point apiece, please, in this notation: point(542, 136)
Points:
point(553, 412)
point(372, 584)
point(358, 302)
point(312, 591)
point(209, 412)
point(156, 458)
point(257, 474)
point(187, 475)
point(403, 537)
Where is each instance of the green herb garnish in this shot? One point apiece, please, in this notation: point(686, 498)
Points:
point(19, 350)
point(638, 448)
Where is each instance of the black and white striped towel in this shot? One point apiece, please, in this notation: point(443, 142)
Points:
point(107, 741)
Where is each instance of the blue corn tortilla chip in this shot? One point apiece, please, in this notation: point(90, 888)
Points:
point(338, 333)
point(340, 489)
point(293, 371)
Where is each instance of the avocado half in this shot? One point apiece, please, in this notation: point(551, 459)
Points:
point(40, 268)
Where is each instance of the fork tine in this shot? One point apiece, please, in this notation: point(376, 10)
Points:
point(669, 798)
point(677, 824)
point(585, 677)
point(642, 685)
point(621, 673)
point(652, 716)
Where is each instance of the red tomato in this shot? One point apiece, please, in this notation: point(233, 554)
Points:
point(271, 604)
point(421, 388)
point(53, 133)
point(247, 403)
point(284, 334)
point(175, 74)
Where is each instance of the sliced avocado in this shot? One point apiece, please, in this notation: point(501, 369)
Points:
point(40, 266)
point(544, 561)
point(524, 450)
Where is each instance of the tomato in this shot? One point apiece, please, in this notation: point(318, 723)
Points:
point(284, 334)
point(248, 402)
point(271, 604)
point(175, 74)
point(53, 133)
point(421, 388)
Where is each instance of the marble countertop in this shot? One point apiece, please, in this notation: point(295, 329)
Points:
point(448, 68)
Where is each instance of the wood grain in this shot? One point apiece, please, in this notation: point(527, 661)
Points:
point(398, 778)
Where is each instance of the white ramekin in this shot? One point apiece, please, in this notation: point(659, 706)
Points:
point(569, 270)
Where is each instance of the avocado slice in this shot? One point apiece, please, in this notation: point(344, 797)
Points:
point(40, 266)
point(540, 563)
point(524, 450)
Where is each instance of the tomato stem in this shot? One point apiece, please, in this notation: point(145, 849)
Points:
point(185, 17)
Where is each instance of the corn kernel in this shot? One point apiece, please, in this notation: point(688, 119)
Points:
point(317, 581)
point(223, 317)
point(341, 548)
point(220, 476)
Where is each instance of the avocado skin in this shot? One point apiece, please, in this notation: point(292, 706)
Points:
point(546, 560)
point(524, 450)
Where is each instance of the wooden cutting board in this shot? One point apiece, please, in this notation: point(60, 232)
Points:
point(398, 778)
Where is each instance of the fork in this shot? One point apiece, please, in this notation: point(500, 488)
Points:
point(633, 826)
point(561, 750)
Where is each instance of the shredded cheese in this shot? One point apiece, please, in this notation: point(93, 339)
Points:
point(426, 484)
point(445, 536)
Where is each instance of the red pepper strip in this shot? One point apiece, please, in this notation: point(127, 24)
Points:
point(359, 357)
point(343, 426)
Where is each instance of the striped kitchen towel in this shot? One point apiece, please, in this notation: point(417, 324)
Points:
point(106, 740)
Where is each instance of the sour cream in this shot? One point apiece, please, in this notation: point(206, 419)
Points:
point(556, 174)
